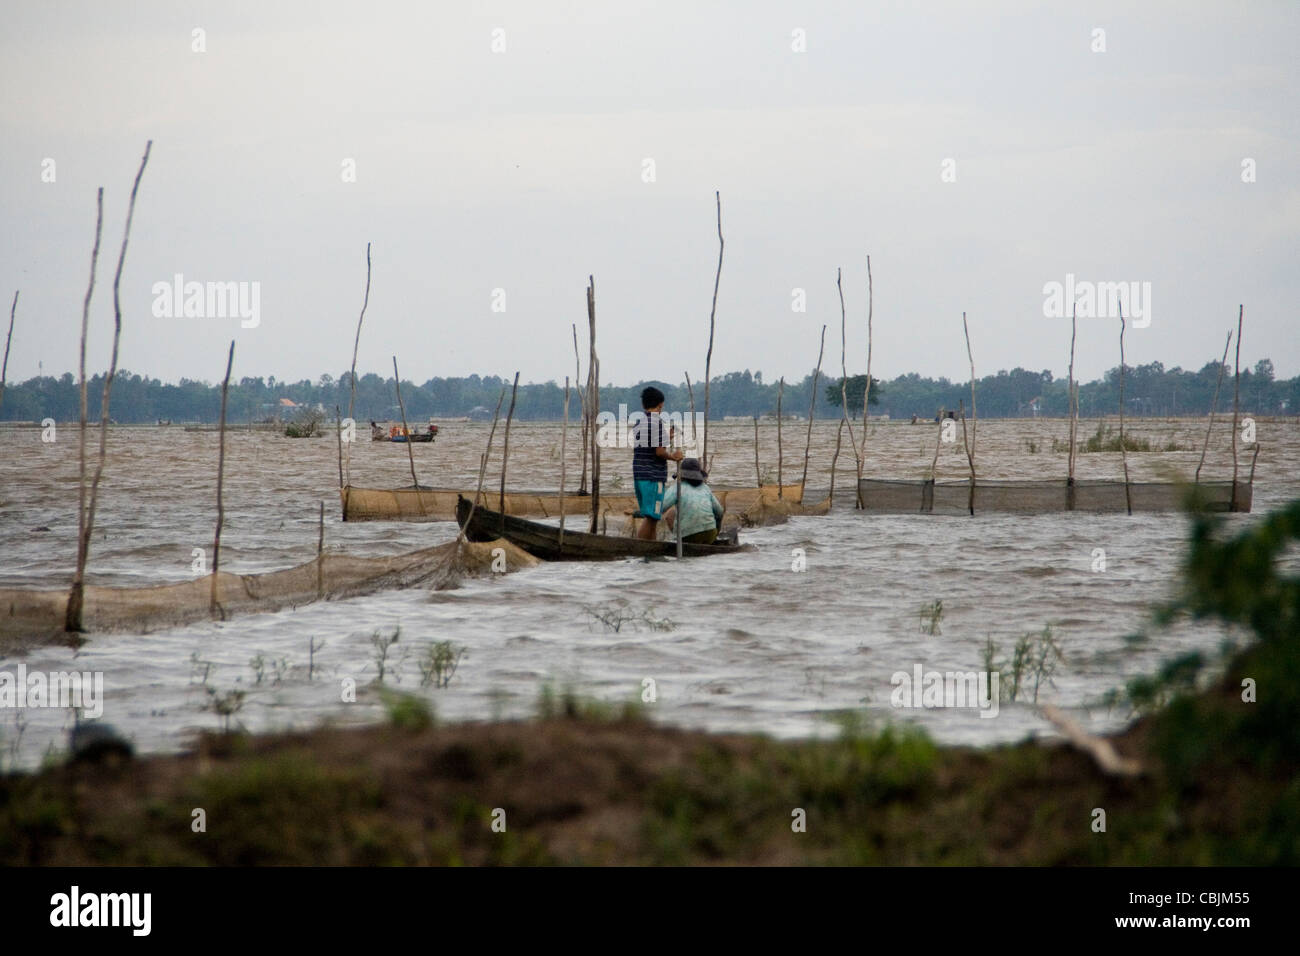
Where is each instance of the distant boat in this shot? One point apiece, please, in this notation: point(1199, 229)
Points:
point(397, 434)
point(550, 544)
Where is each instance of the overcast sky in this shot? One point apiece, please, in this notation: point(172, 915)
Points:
point(524, 170)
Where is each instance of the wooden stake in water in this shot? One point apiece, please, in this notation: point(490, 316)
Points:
point(1071, 402)
point(758, 474)
point(582, 406)
point(410, 453)
point(866, 394)
point(780, 394)
point(1123, 447)
point(4, 369)
point(678, 522)
point(72, 620)
point(564, 441)
point(844, 388)
point(708, 357)
point(1223, 364)
point(213, 605)
point(593, 403)
point(352, 402)
point(320, 554)
point(812, 408)
point(77, 597)
point(1236, 399)
point(505, 455)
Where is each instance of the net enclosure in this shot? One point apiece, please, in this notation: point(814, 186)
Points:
point(1044, 496)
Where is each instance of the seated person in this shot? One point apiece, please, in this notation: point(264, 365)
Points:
point(701, 514)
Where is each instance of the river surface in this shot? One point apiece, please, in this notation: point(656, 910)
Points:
point(739, 643)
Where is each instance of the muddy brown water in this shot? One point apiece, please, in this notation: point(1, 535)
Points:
point(742, 642)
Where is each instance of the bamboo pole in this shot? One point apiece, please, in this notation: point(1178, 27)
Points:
point(839, 434)
point(1072, 408)
point(320, 554)
point(338, 421)
point(214, 605)
point(866, 394)
point(482, 468)
point(970, 501)
point(582, 406)
point(974, 421)
point(934, 465)
point(812, 408)
point(593, 404)
point(1223, 364)
point(76, 599)
point(708, 358)
point(4, 369)
point(758, 474)
point(72, 620)
point(356, 344)
point(1123, 448)
point(780, 393)
point(505, 455)
point(844, 387)
point(564, 441)
point(1236, 398)
point(410, 452)
point(695, 438)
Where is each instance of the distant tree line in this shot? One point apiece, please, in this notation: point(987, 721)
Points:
point(1149, 390)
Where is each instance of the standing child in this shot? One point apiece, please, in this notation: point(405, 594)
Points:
point(650, 457)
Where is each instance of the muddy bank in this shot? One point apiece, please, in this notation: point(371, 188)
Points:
point(589, 787)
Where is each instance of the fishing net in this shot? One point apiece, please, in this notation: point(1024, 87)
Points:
point(27, 614)
point(439, 504)
point(885, 496)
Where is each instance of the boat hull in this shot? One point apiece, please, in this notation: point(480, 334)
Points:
point(550, 544)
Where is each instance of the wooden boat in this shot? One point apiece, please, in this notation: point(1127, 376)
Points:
point(395, 434)
point(546, 542)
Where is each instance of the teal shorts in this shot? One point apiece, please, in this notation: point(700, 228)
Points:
point(649, 499)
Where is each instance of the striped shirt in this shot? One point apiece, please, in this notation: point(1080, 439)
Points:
point(648, 434)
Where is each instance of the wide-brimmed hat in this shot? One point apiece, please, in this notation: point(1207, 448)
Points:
point(690, 470)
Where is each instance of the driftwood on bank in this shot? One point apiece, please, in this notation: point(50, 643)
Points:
point(1102, 751)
